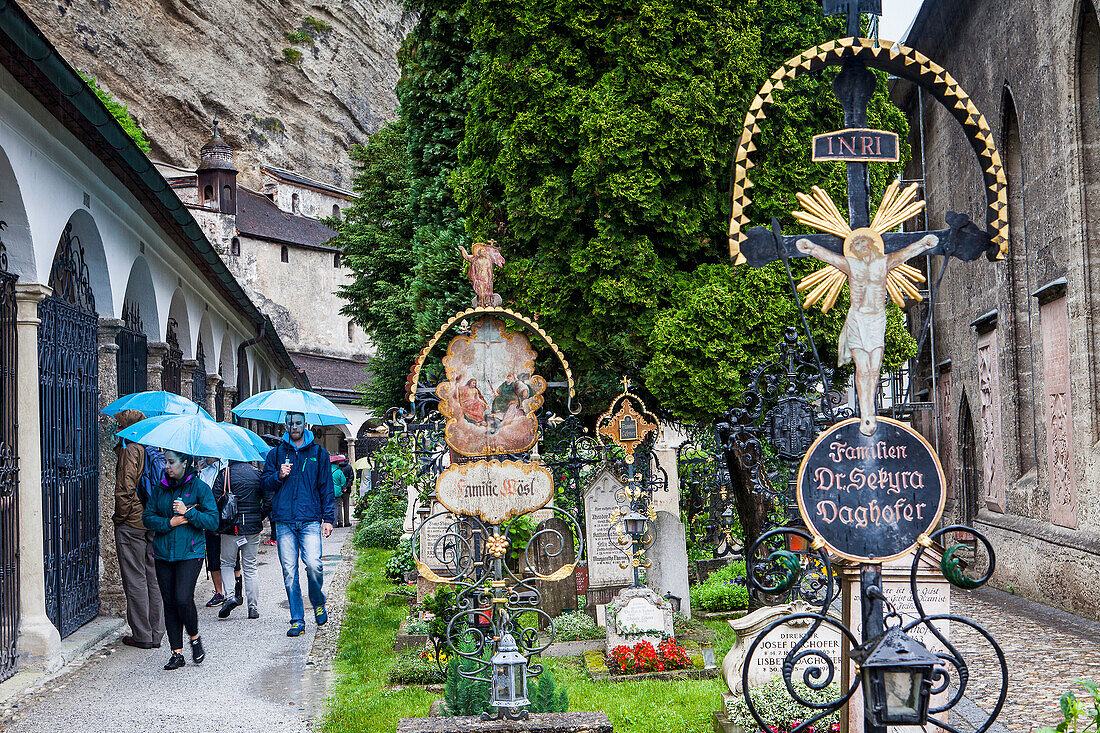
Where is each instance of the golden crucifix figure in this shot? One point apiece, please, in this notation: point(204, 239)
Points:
point(871, 275)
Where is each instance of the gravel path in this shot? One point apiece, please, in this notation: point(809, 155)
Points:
point(254, 677)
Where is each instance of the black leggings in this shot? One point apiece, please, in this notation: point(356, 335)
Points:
point(177, 590)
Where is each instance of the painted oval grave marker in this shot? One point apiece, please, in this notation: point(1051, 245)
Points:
point(870, 497)
point(494, 490)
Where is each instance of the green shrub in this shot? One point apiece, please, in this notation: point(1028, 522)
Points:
point(576, 626)
point(721, 591)
point(317, 26)
point(400, 562)
point(119, 111)
point(776, 707)
point(411, 667)
point(464, 696)
point(292, 56)
point(298, 36)
point(384, 534)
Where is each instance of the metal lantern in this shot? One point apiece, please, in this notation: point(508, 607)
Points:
point(896, 671)
point(509, 675)
point(634, 523)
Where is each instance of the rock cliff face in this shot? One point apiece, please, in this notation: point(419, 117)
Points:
point(297, 103)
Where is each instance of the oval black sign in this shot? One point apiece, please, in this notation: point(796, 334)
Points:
point(870, 497)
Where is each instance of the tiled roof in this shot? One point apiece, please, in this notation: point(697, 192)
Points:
point(337, 379)
point(258, 216)
point(301, 180)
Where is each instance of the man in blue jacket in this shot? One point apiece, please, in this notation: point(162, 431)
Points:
point(297, 477)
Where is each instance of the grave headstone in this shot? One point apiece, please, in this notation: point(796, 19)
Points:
point(667, 499)
point(669, 572)
point(636, 614)
point(605, 557)
point(553, 548)
point(766, 662)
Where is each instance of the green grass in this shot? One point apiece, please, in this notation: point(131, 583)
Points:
point(359, 702)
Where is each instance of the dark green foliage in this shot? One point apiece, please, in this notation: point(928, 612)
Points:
point(119, 111)
point(594, 142)
point(721, 591)
point(442, 603)
point(297, 36)
point(461, 695)
point(317, 26)
point(545, 695)
point(400, 562)
point(383, 533)
point(292, 56)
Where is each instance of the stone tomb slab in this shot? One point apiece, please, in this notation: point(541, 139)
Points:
point(605, 557)
point(767, 659)
point(537, 723)
point(637, 614)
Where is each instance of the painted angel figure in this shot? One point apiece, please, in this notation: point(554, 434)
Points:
point(483, 258)
point(871, 275)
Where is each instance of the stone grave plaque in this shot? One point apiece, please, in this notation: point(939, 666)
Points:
point(767, 659)
point(636, 614)
point(669, 572)
point(552, 548)
point(436, 550)
point(605, 557)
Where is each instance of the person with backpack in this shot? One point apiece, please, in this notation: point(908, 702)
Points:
point(343, 500)
point(297, 477)
point(240, 534)
point(339, 488)
point(135, 470)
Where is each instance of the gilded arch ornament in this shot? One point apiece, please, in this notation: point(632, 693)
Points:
point(902, 61)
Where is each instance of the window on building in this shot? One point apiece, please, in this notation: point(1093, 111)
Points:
point(294, 203)
point(284, 254)
point(208, 194)
point(351, 331)
point(336, 211)
point(235, 247)
point(1020, 354)
point(336, 259)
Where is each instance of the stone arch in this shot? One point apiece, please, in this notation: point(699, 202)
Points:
point(16, 243)
point(84, 233)
point(140, 292)
point(1019, 352)
point(178, 313)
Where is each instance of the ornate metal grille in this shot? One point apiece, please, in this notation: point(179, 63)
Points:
point(173, 360)
point(69, 394)
point(198, 379)
point(133, 353)
point(9, 515)
point(219, 401)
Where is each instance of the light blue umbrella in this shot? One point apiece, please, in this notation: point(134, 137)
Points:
point(191, 434)
point(273, 405)
point(153, 403)
point(247, 437)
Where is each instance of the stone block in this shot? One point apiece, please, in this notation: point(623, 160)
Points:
point(538, 723)
point(669, 572)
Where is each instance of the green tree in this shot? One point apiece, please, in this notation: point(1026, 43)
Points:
point(593, 140)
point(119, 111)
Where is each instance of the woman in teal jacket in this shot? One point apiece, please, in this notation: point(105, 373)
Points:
point(178, 512)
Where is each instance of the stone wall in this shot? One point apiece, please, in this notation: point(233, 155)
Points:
point(1032, 399)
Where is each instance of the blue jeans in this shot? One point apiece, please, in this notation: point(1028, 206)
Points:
point(300, 539)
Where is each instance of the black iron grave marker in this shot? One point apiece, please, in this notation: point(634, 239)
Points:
point(870, 498)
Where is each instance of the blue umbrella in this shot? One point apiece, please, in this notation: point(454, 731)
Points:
point(246, 437)
point(191, 434)
point(273, 405)
point(155, 403)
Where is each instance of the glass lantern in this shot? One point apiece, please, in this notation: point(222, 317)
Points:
point(896, 671)
point(634, 523)
point(509, 676)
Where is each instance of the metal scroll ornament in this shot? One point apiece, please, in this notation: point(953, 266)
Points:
point(951, 676)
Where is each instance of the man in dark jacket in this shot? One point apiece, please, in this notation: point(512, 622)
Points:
point(298, 479)
point(134, 544)
point(242, 480)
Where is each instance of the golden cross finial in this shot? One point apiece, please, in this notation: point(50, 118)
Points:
point(626, 383)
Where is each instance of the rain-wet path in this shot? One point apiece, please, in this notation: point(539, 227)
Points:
point(254, 678)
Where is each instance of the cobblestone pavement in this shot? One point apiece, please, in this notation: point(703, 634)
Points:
point(1047, 651)
point(254, 676)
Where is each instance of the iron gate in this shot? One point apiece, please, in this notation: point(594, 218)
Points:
point(198, 378)
point(173, 360)
point(133, 353)
point(69, 394)
point(9, 515)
